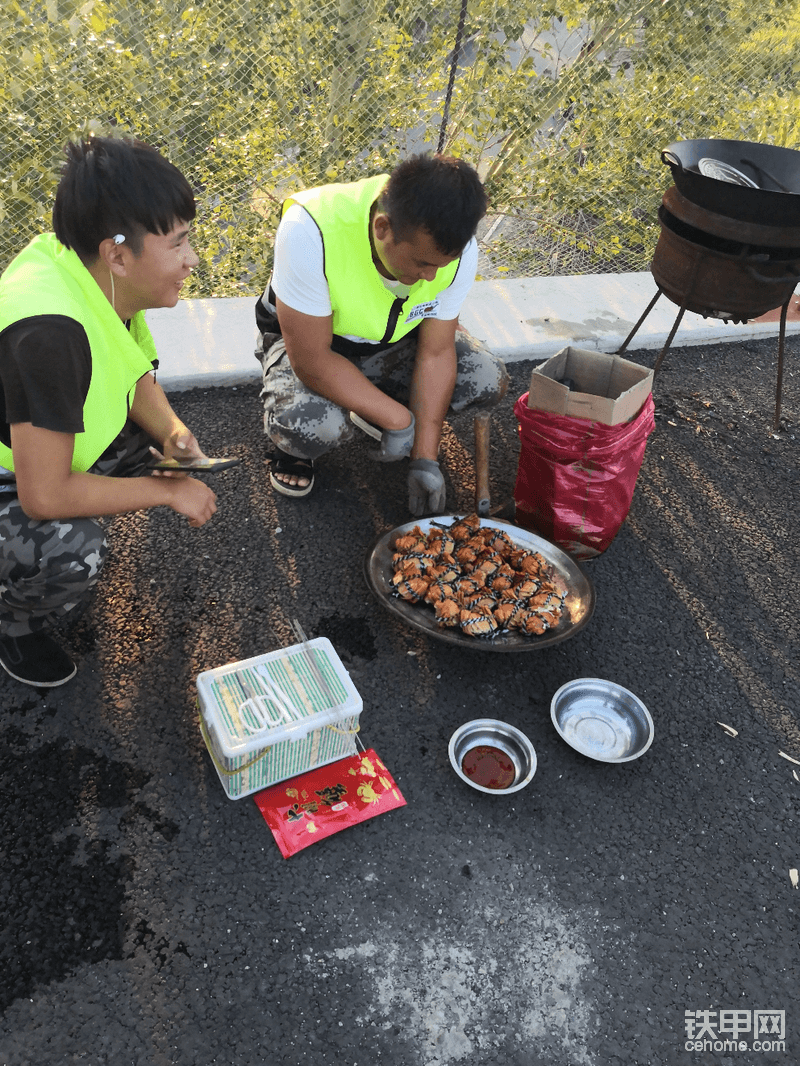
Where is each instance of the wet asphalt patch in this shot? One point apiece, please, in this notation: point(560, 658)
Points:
point(63, 887)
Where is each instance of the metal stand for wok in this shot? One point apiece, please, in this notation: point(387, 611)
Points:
point(683, 307)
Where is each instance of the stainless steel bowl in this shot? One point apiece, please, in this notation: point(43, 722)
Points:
point(500, 735)
point(602, 720)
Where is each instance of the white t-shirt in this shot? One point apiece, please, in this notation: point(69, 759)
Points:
point(298, 277)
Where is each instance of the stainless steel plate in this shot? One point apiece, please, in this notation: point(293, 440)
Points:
point(579, 603)
point(716, 168)
point(602, 720)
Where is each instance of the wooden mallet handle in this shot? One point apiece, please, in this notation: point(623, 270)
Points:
point(482, 498)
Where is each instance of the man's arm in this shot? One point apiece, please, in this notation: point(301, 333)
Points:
point(308, 346)
point(152, 411)
point(432, 384)
point(48, 488)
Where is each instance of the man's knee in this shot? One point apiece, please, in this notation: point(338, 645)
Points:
point(269, 348)
point(482, 376)
point(71, 550)
point(47, 568)
point(309, 428)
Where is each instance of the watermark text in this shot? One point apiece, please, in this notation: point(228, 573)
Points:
point(735, 1030)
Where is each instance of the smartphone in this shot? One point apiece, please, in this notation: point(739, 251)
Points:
point(205, 465)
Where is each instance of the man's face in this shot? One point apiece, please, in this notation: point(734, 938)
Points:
point(409, 261)
point(156, 275)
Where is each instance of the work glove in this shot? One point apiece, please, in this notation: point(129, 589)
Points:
point(426, 491)
point(395, 444)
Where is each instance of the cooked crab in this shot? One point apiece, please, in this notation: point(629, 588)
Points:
point(475, 577)
point(447, 613)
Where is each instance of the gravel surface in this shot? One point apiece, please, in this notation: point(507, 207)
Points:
point(149, 920)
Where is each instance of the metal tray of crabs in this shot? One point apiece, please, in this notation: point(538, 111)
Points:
point(480, 582)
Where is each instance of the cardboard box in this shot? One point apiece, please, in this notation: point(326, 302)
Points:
point(607, 389)
point(277, 715)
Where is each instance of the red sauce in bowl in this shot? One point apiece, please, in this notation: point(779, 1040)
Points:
point(488, 766)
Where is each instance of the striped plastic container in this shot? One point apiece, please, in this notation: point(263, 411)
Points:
point(268, 718)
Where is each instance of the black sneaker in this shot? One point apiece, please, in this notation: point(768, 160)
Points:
point(35, 659)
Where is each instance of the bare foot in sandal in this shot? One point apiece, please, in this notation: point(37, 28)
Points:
point(290, 475)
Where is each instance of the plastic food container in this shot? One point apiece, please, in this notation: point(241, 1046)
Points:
point(277, 715)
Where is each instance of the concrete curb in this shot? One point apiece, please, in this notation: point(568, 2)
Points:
point(210, 342)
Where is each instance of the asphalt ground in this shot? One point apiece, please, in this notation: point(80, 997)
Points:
point(150, 920)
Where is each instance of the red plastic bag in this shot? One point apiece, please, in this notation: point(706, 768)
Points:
point(317, 804)
point(576, 478)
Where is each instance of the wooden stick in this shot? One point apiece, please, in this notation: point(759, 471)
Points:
point(482, 497)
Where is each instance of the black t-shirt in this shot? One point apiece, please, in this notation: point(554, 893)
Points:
point(45, 371)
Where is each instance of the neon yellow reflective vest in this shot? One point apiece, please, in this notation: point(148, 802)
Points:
point(48, 279)
point(362, 305)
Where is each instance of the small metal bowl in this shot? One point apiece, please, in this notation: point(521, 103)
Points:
point(602, 720)
point(496, 734)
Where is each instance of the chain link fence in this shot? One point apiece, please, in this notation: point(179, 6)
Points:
point(563, 107)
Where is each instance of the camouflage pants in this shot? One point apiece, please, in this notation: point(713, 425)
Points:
point(48, 568)
point(306, 425)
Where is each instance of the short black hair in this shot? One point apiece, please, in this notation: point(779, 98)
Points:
point(110, 185)
point(441, 194)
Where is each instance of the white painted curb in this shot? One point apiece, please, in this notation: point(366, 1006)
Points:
point(211, 342)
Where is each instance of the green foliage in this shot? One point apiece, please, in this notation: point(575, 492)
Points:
point(712, 70)
point(564, 111)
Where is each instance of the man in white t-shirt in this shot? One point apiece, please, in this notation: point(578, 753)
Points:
point(359, 323)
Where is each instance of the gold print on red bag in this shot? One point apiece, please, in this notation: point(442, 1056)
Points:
point(321, 802)
point(367, 793)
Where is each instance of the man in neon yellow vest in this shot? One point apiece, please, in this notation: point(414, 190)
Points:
point(360, 322)
point(80, 410)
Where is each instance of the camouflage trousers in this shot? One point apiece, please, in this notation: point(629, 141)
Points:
point(306, 425)
point(47, 568)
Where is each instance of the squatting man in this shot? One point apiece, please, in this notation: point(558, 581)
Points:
point(80, 410)
point(359, 322)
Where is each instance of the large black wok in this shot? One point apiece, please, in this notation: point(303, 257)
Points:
point(776, 171)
